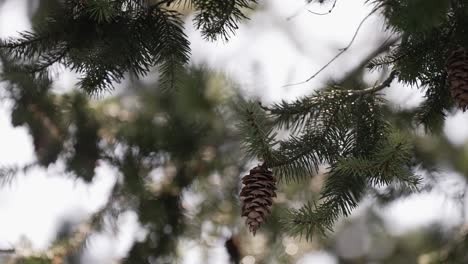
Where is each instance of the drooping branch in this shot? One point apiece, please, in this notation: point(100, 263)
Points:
point(346, 185)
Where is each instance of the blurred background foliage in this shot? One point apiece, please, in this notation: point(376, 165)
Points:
point(179, 165)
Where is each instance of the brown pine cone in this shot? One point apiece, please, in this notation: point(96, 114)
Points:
point(457, 73)
point(257, 196)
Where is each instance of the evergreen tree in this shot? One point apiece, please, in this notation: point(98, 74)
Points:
point(346, 126)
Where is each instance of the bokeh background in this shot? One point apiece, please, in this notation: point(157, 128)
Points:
point(282, 43)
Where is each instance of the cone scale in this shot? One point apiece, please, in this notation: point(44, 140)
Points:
point(258, 191)
point(457, 74)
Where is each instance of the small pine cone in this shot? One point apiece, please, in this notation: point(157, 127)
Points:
point(457, 73)
point(257, 196)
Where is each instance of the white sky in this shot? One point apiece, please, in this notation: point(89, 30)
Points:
point(267, 53)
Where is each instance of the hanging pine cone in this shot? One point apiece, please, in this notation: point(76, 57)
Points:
point(257, 196)
point(457, 72)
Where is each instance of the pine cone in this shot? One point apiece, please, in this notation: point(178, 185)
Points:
point(457, 71)
point(257, 196)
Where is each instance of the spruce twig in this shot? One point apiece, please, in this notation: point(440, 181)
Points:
point(20, 43)
point(8, 173)
point(346, 183)
point(49, 62)
point(260, 133)
point(386, 83)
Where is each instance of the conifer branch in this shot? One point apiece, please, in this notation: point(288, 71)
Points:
point(220, 18)
point(49, 61)
point(331, 129)
point(265, 146)
point(386, 83)
point(294, 115)
point(7, 173)
point(346, 184)
point(299, 157)
point(21, 43)
point(257, 133)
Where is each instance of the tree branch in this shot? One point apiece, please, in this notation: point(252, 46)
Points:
point(386, 83)
point(17, 44)
point(45, 65)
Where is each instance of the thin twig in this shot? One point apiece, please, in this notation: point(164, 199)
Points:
point(325, 13)
point(384, 47)
point(386, 83)
point(40, 68)
point(8, 173)
point(20, 43)
point(269, 157)
point(312, 12)
point(343, 50)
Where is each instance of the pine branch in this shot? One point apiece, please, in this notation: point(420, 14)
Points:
point(385, 61)
point(308, 221)
point(386, 83)
point(347, 182)
point(317, 108)
point(298, 158)
point(256, 129)
point(321, 142)
point(392, 163)
point(8, 173)
point(48, 60)
point(121, 36)
point(220, 18)
point(174, 46)
point(432, 112)
point(26, 40)
point(296, 114)
point(331, 124)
